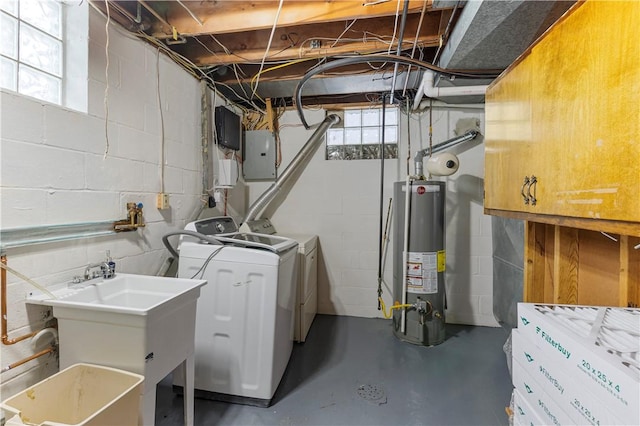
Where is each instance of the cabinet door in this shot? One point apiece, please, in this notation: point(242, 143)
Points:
point(580, 134)
point(509, 140)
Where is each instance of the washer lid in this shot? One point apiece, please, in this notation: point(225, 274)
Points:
point(272, 243)
point(225, 230)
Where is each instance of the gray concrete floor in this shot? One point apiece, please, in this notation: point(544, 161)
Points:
point(463, 381)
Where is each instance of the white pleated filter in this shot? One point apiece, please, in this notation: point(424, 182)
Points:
point(616, 330)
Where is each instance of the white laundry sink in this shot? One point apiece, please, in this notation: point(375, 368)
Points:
point(143, 324)
point(125, 294)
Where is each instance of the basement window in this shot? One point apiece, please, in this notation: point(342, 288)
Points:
point(361, 133)
point(38, 55)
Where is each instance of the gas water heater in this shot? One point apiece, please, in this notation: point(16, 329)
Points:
point(419, 257)
point(418, 278)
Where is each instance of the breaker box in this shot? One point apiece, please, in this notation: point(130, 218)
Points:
point(259, 152)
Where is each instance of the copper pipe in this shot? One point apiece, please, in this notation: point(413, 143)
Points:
point(3, 308)
point(27, 359)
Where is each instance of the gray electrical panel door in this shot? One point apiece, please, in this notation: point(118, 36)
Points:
point(259, 155)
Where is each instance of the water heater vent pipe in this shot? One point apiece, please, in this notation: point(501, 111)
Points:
point(469, 135)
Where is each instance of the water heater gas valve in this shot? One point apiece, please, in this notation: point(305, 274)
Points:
point(421, 306)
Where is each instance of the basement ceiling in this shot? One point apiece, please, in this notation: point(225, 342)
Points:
point(254, 50)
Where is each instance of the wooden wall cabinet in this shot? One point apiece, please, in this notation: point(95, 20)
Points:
point(568, 112)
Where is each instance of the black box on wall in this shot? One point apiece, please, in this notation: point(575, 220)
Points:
point(228, 128)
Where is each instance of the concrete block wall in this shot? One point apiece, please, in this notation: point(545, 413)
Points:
point(54, 171)
point(339, 201)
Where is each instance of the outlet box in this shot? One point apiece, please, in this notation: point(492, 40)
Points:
point(162, 201)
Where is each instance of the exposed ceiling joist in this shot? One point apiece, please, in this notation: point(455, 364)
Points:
point(315, 40)
point(228, 40)
point(233, 16)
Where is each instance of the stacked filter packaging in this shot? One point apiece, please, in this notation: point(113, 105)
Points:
point(576, 365)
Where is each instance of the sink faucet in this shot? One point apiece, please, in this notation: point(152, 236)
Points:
point(104, 271)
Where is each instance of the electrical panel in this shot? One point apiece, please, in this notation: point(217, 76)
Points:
point(259, 152)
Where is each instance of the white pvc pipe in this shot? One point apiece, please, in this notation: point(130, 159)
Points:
point(405, 253)
point(428, 89)
point(431, 91)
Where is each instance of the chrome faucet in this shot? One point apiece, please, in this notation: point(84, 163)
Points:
point(104, 271)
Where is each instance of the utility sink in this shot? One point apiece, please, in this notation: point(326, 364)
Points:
point(143, 324)
point(125, 294)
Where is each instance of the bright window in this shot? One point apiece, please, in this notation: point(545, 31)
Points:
point(361, 134)
point(32, 55)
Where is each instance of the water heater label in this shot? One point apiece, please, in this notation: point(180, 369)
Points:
point(422, 272)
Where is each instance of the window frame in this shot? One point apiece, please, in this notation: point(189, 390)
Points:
point(74, 41)
point(21, 64)
point(360, 150)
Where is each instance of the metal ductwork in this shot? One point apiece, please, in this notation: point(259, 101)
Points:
point(309, 147)
point(492, 34)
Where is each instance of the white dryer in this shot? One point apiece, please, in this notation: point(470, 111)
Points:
point(245, 315)
point(307, 275)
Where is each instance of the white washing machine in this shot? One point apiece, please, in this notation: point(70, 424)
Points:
point(245, 315)
point(307, 275)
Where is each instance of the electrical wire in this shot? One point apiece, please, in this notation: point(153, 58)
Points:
point(182, 61)
point(162, 143)
point(195, 18)
point(234, 66)
point(266, 52)
point(343, 33)
point(415, 43)
point(203, 268)
point(106, 76)
point(277, 67)
point(395, 25)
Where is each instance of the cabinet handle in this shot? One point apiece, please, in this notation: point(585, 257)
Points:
point(533, 182)
point(526, 183)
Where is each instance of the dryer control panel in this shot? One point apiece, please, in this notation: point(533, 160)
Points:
point(215, 226)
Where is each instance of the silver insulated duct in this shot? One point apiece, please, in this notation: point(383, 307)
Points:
point(419, 281)
point(316, 138)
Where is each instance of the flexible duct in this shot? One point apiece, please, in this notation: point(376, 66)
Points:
point(377, 59)
point(316, 138)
